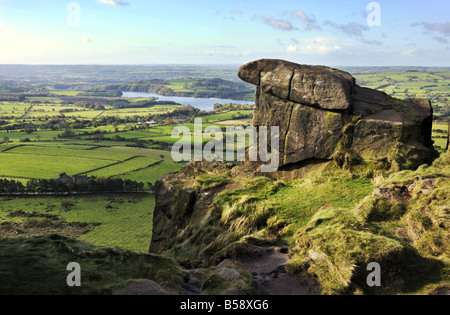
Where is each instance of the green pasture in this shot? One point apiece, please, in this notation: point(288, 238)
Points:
point(123, 168)
point(13, 109)
point(153, 173)
point(225, 116)
point(440, 135)
point(45, 167)
point(125, 219)
point(150, 153)
point(62, 151)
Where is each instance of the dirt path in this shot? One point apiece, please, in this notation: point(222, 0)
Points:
point(267, 265)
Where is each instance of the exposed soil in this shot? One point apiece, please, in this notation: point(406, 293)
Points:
point(35, 227)
point(267, 265)
point(441, 291)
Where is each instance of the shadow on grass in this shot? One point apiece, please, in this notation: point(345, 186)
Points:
point(404, 273)
point(37, 266)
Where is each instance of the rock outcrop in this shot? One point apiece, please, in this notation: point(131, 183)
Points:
point(322, 113)
point(218, 219)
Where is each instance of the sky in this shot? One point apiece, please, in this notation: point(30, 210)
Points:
point(331, 33)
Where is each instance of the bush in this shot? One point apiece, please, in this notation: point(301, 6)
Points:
point(66, 205)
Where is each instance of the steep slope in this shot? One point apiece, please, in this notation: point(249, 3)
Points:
point(356, 185)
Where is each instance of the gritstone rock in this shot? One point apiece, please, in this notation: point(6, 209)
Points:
point(322, 113)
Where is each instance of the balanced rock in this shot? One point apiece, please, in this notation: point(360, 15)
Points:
point(322, 113)
point(316, 86)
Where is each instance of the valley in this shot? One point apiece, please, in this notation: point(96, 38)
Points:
point(79, 124)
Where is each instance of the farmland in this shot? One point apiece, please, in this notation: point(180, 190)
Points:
point(434, 86)
point(79, 129)
point(106, 220)
point(72, 132)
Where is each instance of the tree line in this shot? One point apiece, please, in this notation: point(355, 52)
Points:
point(68, 184)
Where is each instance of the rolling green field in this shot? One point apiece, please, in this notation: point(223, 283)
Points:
point(154, 154)
point(63, 151)
point(118, 220)
point(109, 148)
point(152, 173)
point(45, 167)
point(434, 86)
point(440, 131)
point(124, 167)
point(123, 221)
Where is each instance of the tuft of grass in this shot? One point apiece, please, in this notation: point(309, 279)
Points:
point(127, 223)
point(334, 245)
point(38, 266)
point(405, 232)
point(208, 181)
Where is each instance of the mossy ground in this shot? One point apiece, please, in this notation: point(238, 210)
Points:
point(335, 226)
point(37, 266)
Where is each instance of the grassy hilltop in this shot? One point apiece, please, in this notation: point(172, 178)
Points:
point(47, 129)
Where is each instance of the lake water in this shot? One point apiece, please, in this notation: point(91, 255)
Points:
point(206, 104)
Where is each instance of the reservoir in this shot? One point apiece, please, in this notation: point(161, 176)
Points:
point(206, 104)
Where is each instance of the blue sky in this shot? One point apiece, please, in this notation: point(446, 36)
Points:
point(332, 33)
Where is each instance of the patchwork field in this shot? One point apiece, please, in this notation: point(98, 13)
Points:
point(152, 173)
point(123, 221)
point(440, 136)
point(434, 86)
point(46, 167)
point(77, 133)
point(124, 167)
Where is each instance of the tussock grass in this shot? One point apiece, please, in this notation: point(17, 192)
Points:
point(336, 227)
point(125, 220)
point(208, 181)
point(38, 266)
point(407, 235)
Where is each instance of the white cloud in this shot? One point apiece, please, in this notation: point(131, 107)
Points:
point(440, 39)
point(86, 39)
point(275, 23)
point(114, 3)
point(292, 48)
point(302, 16)
point(443, 28)
point(314, 46)
point(6, 28)
point(408, 53)
point(310, 21)
point(355, 30)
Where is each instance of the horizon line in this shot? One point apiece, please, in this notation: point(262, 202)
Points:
point(200, 64)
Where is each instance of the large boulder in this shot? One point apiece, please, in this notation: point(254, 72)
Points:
point(174, 207)
point(323, 113)
point(317, 86)
point(183, 211)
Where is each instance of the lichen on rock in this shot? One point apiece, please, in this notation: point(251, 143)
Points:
point(314, 105)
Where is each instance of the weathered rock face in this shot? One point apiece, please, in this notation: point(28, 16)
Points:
point(180, 206)
point(323, 116)
point(321, 112)
point(175, 204)
point(317, 86)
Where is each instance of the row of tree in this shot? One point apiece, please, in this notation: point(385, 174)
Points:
point(72, 185)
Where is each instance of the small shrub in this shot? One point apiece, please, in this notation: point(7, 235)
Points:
point(66, 205)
